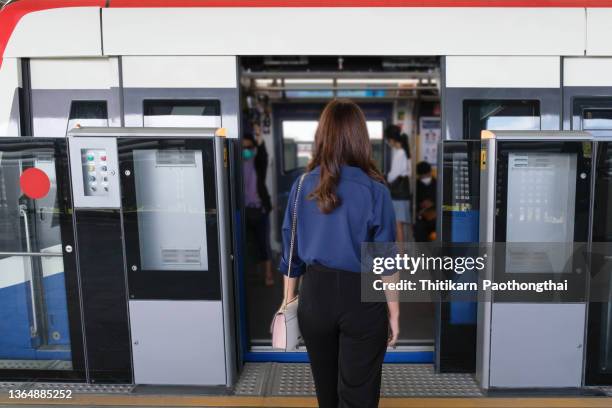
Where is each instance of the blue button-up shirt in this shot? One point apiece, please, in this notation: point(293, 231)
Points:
point(334, 240)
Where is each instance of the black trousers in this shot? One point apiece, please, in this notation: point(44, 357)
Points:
point(346, 339)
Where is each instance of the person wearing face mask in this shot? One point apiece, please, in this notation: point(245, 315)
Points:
point(426, 191)
point(257, 200)
point(399, 178)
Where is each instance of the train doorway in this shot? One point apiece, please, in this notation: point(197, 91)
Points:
point(281, 100)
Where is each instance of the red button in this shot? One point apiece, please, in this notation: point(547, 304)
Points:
point(103, 158)
point(35, 183)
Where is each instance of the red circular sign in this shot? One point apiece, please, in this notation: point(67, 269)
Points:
point(35, 183)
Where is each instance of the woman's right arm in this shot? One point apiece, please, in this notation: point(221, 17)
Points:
point(384, 233)
point(393, 309)
point(297, 265)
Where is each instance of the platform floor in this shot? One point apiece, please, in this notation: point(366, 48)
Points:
point(290, 385)
point(399, 380)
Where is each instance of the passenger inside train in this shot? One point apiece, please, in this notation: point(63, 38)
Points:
point(426, 196)
point(398, 179)
point(257, 201)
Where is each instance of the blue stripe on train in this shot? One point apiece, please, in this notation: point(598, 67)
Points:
point(15, 317)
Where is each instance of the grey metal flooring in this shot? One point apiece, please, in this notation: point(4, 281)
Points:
point(399, 380)
point(294, 379)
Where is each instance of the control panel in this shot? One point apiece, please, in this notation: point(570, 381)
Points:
point(95, 172)
point(94, 167)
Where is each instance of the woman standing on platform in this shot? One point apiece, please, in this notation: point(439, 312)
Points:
point(342, 203)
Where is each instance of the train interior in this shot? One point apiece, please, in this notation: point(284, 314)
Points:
point(282, 98)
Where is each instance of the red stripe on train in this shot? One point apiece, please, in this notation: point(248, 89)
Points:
point(11, 14)
point(361, 3)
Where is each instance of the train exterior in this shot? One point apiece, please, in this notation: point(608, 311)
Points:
point(73, 303)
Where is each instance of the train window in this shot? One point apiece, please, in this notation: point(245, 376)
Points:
point(88, 113)
point(182, 113)
point(298, 141)
point(597, 119)
point(479, 115)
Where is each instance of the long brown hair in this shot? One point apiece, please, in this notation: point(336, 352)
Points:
point(341, 138)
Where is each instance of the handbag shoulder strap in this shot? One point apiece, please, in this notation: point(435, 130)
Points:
point(294, 226)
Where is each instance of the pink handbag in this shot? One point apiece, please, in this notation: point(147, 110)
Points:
point(285, 328)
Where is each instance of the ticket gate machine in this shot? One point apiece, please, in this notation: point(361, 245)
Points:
point(150, 206)
point(534, 208)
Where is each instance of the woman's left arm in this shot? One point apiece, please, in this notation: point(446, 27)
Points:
point(297, 265)
point(290, 285)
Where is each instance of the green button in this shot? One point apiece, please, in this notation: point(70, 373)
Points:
point(90, 157)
